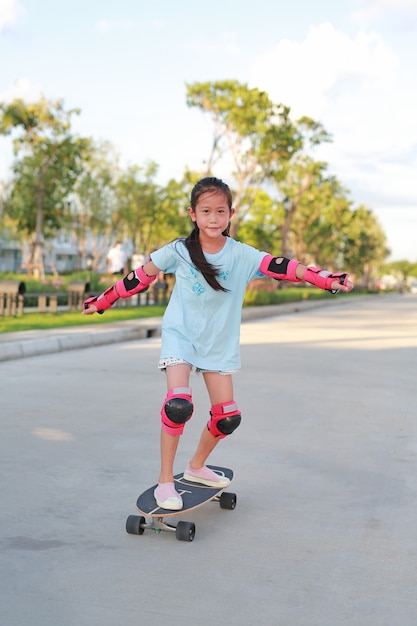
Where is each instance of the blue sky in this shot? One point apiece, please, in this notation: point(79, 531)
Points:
point(348, 64)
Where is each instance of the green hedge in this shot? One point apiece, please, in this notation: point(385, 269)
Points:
point(265, 292)
point(99, 282)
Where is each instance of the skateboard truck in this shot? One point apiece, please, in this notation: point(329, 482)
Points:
point(137, 524)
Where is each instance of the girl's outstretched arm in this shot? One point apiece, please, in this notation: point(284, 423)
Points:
point(282, 268)
point(136, 281)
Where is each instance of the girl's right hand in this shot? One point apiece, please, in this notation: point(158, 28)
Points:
point(91, 309)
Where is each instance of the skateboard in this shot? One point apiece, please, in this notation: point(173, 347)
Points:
point(193, 496)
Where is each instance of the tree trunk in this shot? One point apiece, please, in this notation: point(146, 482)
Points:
point(37, 256)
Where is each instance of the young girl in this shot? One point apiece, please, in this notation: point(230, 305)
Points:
point(201, 324)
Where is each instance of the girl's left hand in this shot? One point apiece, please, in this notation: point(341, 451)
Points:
point(336, 286)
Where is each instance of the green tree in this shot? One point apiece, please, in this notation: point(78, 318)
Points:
point(174, 219)
point(138, 204)
point(94, 202)
point(48, 160)
point(365, 244)
point(251, 131)
point(404, 267)
point(316, 215)
point(152, 214)
point(259, 228)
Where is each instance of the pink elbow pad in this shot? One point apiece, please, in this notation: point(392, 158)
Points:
point(279, 268)
point(134, 282)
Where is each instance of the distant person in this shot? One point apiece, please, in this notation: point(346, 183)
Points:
point(137, 260)
point(201, 324)
point(116, 259)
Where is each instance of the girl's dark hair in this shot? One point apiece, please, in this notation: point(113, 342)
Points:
point(192, 242)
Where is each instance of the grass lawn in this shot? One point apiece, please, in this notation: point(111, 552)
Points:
point(31, 321)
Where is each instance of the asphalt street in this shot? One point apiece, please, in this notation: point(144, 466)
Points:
point(325, 462)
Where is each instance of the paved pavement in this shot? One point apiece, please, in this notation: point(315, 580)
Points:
point(324, 533)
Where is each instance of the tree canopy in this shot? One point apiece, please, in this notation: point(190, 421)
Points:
point(49, 160)
point(286, 201)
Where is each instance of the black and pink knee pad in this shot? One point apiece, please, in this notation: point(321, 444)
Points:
point(224, 419)
point(176, 410)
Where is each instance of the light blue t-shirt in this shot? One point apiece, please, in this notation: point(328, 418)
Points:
point(201, 325)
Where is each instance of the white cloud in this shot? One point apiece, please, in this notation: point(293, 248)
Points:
point(371, 8)
point(306, 75)
point(22, 89)
point(352, 85)
point(105, 26)
point(10, 11)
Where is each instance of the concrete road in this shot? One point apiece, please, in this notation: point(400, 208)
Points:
point(325, 461)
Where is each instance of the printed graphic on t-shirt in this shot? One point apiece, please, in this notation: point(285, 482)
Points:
point(198, 289)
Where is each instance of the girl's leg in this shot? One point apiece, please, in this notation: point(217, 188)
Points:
point(220, 389)
point(177, 376)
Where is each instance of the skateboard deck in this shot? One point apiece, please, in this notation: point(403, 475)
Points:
point(193, 496)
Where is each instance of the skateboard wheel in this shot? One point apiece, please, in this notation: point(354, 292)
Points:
point(134, 525)
point(185, 531)
point(228, 500)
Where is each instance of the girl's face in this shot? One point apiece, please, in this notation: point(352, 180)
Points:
point(212, 214)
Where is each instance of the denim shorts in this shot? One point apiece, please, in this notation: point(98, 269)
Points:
point(173, 360)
